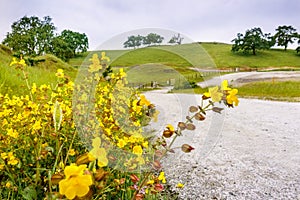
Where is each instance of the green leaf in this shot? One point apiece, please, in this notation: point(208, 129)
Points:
point(29, 193)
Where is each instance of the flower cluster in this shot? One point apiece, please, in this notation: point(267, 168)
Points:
point(75, 140)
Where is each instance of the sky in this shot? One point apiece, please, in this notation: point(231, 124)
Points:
point(108, 23)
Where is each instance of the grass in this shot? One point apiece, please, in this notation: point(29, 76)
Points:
point(281, 91)
point(224, 58)
point(287, 90)
point(12, 82)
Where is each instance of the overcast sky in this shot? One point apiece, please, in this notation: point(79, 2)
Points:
point(199, 20)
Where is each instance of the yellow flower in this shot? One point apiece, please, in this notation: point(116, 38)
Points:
point(12, 159)
point(8, 185)
point(162, 177)
point(232, 98)
point(104, 57)
point(122, 73)
point(37, 125)
point(4, 155)
point(121, 143)
point(71, 152)
point(2, 166)
point(170, 127)
point(180, 185)
point(99, 153)
point(95, 66)
point(224, 85)
point(150, 182)
point(33, 88)
point(144, 101)
point(137, 150)
point(60, 73)
point(76, 182)
point(214, 93)
point(12, 133)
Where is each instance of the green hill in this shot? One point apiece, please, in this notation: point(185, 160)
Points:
point(205, 54)
point(43, 72)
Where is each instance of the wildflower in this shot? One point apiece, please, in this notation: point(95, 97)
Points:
point(95, 66)
point(180, 185)
point(143, 101)
point(214, 93)
point(137, 150)
point(104, 57)
point(8, 185)
point(150, 182)
point(224, 85)
point(60, 73)
point(232, 98)
point(121, 143)
point(71, 152)
point(76, 182)
point(12, 133)
point(12, 159)
point(162, 177)
point(169, 131)
point(99, 153)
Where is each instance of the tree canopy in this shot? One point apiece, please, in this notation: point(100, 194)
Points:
point(176, 39)
point(32, 36)
point(285, 35)
point(253, 40)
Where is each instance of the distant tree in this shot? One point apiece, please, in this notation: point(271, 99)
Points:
point(176, 39)
point(152, 38)
point(253, 40)
point(77, 42)
point(133, 41)
point(285, 35)
point(31, 35)
point(61, 49)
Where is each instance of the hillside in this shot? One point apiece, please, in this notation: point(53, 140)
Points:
point(43, 72)
point(205, 54)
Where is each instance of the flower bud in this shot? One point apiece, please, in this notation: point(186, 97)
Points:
point(158, 153)
point(190, 127)
point(193, 109)
point(134, 178)
point(84, 159)
point(187, 148)
point(159, 187)
point(199, 117)
point(181, 125)
point(100, 174)
point(156, 165)
point(167, 133)
point(56, 178)
point(139, 196)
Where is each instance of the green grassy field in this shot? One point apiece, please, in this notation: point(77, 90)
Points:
point(162, 63)
point(12, 82)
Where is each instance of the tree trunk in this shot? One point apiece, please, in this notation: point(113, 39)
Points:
point(253, 51)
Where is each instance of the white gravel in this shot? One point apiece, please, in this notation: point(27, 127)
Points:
point(248, 152)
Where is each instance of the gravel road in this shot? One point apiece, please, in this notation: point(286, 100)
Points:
point(248, 152)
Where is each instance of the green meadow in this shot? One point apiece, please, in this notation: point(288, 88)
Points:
point(165, 62)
